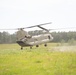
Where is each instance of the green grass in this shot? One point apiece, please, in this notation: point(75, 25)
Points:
point(37, 61)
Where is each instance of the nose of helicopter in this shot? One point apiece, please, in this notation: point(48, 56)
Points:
point(52, 38)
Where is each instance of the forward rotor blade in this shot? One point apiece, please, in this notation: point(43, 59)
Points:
point(62, 28)
point(43, 28)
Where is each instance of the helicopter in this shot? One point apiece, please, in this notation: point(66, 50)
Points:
point(26, 40)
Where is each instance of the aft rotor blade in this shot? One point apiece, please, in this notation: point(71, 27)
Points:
point(38, 25)
point(28, 27)
point(9, 29)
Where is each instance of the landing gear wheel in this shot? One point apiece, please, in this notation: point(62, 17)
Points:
point(21, 48)
point(45, 45)
point(37, 45)
point(30, 47)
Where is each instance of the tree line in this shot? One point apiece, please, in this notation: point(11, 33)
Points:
point(6, 37)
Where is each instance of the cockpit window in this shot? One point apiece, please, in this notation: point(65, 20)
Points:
point(49, 37)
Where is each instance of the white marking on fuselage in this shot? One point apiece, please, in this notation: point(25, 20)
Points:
point(42, 41)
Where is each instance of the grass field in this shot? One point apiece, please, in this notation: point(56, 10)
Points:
point(51, 60)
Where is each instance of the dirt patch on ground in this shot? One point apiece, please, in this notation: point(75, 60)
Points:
point(64, 48)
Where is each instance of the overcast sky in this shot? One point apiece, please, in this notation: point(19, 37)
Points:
point(23, 13)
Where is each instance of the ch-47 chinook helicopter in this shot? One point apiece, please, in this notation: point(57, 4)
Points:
point(26, 40)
